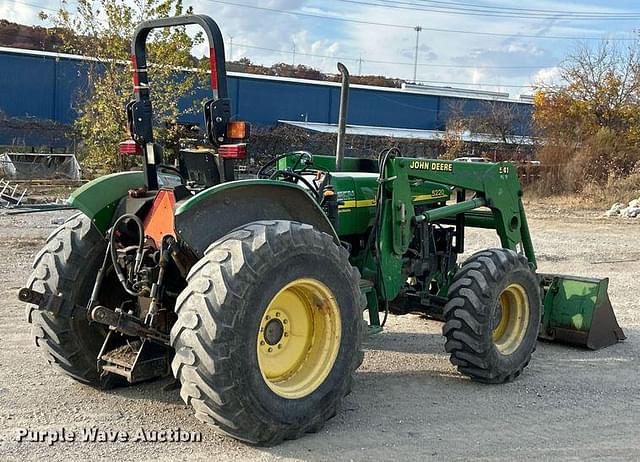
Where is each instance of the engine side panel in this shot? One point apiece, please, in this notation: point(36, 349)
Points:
point(357, 195)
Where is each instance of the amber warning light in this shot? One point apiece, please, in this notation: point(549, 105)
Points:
point(238, 130)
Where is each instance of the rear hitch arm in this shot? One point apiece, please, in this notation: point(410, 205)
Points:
point(45, 301)
point(127, 324)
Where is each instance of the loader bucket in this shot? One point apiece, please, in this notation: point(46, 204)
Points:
point(578, 311)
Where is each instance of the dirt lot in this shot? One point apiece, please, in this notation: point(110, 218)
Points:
point(409, 403)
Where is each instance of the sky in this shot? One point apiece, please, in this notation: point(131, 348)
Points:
point(498, 45)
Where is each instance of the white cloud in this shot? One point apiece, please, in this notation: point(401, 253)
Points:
point(529, 59)
point(20, 12)
point(547, 76)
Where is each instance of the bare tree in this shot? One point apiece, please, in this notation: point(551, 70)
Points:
point(501, 120)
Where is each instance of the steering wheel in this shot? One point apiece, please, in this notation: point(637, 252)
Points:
point(269, 169)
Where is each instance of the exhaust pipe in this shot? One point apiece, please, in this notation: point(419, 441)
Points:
point(342, 115)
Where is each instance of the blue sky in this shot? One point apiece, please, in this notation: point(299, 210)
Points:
point(492, 62)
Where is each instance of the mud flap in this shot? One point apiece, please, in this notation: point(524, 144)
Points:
point(578, 311)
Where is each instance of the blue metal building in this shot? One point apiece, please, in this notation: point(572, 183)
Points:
point(46, 86)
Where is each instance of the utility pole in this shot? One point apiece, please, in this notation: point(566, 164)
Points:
point(231, 48)
point(293, 60)
point(360, 65)
point(415, 62)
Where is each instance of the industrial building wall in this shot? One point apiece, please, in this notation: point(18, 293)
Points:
point(42, 87)
point(47, 87)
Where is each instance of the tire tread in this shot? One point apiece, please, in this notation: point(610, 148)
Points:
point(55, 270)
point(204, 344)
point(467, 323)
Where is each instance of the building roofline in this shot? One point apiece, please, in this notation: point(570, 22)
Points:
point(403, 133)
point(429, 90)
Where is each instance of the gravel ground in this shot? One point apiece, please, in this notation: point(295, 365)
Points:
point(408, 401)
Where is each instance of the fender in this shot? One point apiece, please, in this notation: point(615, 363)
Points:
point(99, 198)
point(214, 212)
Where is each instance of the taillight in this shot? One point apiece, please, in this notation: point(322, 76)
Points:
point(233, 151)
point(130, 148)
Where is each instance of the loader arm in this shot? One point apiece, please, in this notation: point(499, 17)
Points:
point(496, 187)
point(576, 310)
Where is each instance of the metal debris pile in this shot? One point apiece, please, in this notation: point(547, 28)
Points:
point(10, 196)
point(14, 200)
point(630, 210)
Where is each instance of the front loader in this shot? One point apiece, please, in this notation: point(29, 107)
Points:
point(252, 293)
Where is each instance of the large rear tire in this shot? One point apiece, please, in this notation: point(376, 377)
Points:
point(493, 316)
point(269, 332)
point(68, 265)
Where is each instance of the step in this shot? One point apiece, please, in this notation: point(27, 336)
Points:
point(124, 356)
point(136, 361)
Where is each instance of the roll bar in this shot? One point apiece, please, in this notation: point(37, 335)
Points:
point(216, 48)
point(140, 111)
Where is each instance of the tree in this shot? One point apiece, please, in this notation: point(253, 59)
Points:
point(453, 138)
point(493, 124)
point(101, 31)
point(590, 122)
point(500, 120)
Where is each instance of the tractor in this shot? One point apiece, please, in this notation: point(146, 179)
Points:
point(256, 293)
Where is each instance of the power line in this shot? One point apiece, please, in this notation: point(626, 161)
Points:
point(395, 63)
point(397, 26)
point(359, 59)
point(532, 10)
point(36, 6)
point(404, 26)
point(313, 15)
point(482, 11)
point(437, 82)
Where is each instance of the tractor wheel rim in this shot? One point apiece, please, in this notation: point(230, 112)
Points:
point(299, 338)
point(514, 319)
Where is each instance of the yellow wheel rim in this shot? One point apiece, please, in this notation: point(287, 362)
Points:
point(299, 338)
point(514, 319)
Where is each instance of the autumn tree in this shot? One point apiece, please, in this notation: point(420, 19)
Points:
point(453, 138)
point(590, 121)
point(101, 31)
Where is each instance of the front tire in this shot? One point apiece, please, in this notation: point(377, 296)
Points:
point(269, 332)
point(492, 317)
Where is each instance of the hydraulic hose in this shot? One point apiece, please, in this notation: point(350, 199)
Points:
point(114, 255)
point(372, 242)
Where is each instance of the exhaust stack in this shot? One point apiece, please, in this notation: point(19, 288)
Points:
point(342, 115)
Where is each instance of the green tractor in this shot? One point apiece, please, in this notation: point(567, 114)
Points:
point(253, 292)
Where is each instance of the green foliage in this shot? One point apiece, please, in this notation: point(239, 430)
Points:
point(101, 30)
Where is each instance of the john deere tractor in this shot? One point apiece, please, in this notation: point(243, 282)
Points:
point(254, 293)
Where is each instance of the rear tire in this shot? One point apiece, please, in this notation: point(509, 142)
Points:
point(228, 310)
point(68, 265)
point(493, 316)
